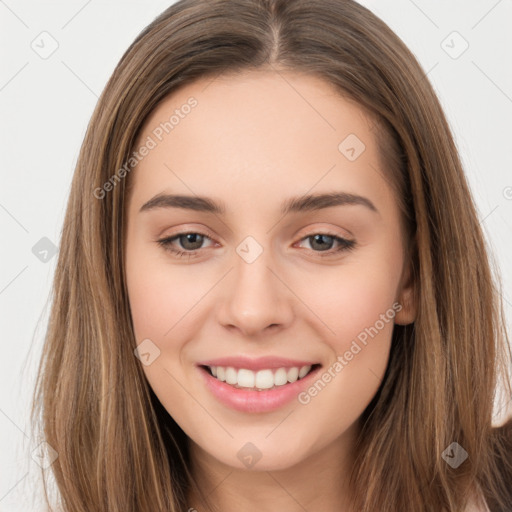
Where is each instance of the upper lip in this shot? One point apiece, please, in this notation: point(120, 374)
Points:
point(255, 364)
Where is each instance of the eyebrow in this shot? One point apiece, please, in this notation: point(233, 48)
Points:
point(311, 202)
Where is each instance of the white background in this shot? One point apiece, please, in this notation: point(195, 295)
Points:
point(46, 105)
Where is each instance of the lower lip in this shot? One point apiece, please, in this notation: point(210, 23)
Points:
point(256, 401)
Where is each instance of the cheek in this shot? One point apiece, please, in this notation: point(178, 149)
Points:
point(161, 302)
point(360, 315)
point(356, 307)
point(160, 295)
point(351, 300)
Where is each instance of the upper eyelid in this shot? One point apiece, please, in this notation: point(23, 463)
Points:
point(310, 232)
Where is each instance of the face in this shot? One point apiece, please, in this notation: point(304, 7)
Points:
point(264, 315)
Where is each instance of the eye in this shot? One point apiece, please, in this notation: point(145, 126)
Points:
point(322, 240)
point(192, 242)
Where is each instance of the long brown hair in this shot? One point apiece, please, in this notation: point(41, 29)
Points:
point(118, 449)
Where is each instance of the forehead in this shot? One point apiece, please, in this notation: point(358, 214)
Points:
point(256, 136)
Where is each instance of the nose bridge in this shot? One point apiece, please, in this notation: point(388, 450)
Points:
point(256, 298)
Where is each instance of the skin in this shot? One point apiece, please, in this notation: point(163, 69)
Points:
point(253, 140)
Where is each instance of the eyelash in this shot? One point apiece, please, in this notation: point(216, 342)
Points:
point(345, 245)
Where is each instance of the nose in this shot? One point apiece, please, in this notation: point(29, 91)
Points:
point(256, 298)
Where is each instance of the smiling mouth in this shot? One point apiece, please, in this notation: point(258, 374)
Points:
point(261, 380)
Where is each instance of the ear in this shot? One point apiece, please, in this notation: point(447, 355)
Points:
point(407, 297)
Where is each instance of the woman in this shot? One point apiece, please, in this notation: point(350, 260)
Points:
point(259, 369)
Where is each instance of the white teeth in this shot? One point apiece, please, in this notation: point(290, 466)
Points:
point(292, 374)
point(245, 378)
point(262, 379)
point(231, 375)
point(280, 377)
point(221, 373)
point(304, 371)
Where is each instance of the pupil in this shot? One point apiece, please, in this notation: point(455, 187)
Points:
point(193, 238)
point(320, 237)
